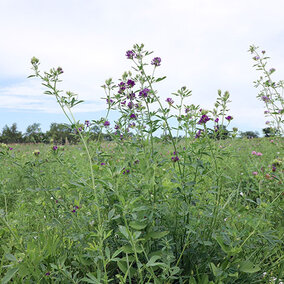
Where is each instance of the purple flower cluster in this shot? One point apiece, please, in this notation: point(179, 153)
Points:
point(170, 101)
point(106, 123)
point(131, 96)
point(256, 58)
point(75, 209)
point(144, 93)
point(130, 54)
point(229, 118)
point(216, 120)
point(265, 98)
point(59, 70)
point(87, 123)
point(130, 83)
point(198, 134)
point(133, 116)
point(109, 101)
point(122, 87)
point(156, 61)
point(54, 148)
point(175, 159)
point(125, 171)
point(204, 118)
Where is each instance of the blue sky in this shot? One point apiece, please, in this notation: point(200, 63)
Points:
point(203, 45)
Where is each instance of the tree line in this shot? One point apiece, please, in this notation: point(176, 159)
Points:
point(60, 133)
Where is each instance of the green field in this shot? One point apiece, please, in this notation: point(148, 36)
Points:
point(216, 216)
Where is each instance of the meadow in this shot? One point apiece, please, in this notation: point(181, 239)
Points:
point(198, 206)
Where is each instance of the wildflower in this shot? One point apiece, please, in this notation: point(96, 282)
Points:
point(47, 273)
point(106, 123)
point(187, 110)
point(229, 117)
point(123, 103)
point(103, 164)
point(133, 116)
point(87, 123)
point(80, 129)
point(256, 58)
point(130, 83)
point(273, 168)
point(122, 87)
point(253, 152)
point(130, 54)
point(36, 152)
point(265, 98)
point(144, 93)
point(175, 159)
point(255, 173)
point(271, 141)
point(204, 118)
point(10, 148)
point(169, 101)
point(136, 162)
point(116, 126)
point(267, 122)
point(156, 61)
point(271, 70)
point(266, 111)
point(59, 70)
point(198, 134)
point(34, 61)
point(131, 96)
point(132, 125)
point(259, 154)
point(54, 148)
point(263, 51)
point(109, 101)
point(74, 211)
point(216, 120)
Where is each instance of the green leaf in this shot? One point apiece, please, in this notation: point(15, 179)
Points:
point(152, 260)
point(123, 231)
point(216, 271)
point(156, 235)
point(248, 267)
point(160, 79)
point(10, 257)
point(136, 225)
point(9, 275)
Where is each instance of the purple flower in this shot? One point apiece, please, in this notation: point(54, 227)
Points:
point(217, 120)
point(130, 54)
point(59, 70)
point(198, 134)
point(123, 103)
point(136, 162)
point(54, 148)
point(10, 148)
point(266, 111)
point(116, 126)
point(130, 105)
point(229, 118)
point(253, 152)
point(169, 101)
point(271, 70)
point(74, 210)
point(204, 118)
point(109, 101)
point(265, 98)
point(122, 87)
point(175, 159)
point(36, 152)
point(106, 123)
point(47, 273)
point(102, 164)
point(130, 83)
point(263, 51)
point(132, 125)
point(267, 122)
point(144, 93)
point(87, 123)
point(80, 129)
point(273, 168)
point(156, 61)
point(187, 110)
point(256, 58)
point(255, 173)
point(133, 116)
point(259, 154)
point(131, 96)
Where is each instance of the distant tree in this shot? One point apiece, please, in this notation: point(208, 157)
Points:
point(220, 133)
point(34, 134)
point(59, 133)
point(270, 131)
point(249, 134)
point(11, 134)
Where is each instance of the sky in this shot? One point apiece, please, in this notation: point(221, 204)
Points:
point(203, 45)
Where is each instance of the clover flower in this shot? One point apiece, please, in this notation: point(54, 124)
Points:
point(265, 98)
point(59, 70)
point(253, 152)
point(198, 134)
point(131, 96)
point(204, 118)
point(54, 148)
point(255, 173)
point(106, 123)
point(175, 159)
point(122, 87)
point(144, 93)
point(130, 83)
point(130, 105)
point(169, 101)
point(229, 117)
point(130, 54)
point(156, 61)
point(259, 154)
